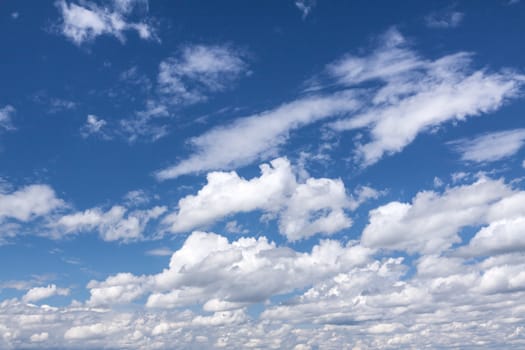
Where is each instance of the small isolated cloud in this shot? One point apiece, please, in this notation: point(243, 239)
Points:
point(39, 293)
point(86, 21)
point(15, 15)
point(199, 70)
point(160, 252)
point(444, 19)
point(57, 105)
point(305, 6)
point(6, 115)
point(93, 126)
point(490, 147)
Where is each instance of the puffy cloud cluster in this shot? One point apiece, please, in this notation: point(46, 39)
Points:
point(117, 223)
point(304, 209)
point(221, 275)
point(39, 293)
point(432, 222)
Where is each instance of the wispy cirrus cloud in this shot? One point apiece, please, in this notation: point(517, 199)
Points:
point(198, 70)
point(490, 147)
point(444, 19)
point(6, 116)
point(402, 88)
point(258, 136)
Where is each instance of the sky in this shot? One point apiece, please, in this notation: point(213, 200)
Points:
point(281, 174)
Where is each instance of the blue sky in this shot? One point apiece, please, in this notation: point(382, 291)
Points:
point(280, 174)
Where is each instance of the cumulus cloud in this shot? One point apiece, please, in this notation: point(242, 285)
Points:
point(117, 223)
point(86, 21)
point(223, 275)
point(28, 203)
point(344, 294)
point(490, 147)
point(39, 293)
point(304, 209)
point(432, 221)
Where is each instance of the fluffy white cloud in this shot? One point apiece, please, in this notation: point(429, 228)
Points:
point(117, 223)
point(431, 222)
point(28, 202)
point(39, 293)
point(6, 114)
point(417, 93)
point(221, 275)
point(86, 21)
point(351, 297)
point(304, 209)
point(258, 136)
point(501, 236)
point(492, 146)
point(316, 206)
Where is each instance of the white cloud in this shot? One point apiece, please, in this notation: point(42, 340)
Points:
point(502, 236)
point(431, 222)
point(39, 293)
point(94, 126)
point(160, 252)
point(39, 337)
point(86, 21)
point(416, 93)
point(444, 19)
point(117, 223)
point(210, 270)
point(28, 203)
point(6, 114)
point(305, 6)
point(304, 209)
point(258, 136)
point(316, 206)
point(407, 89)
point(492, 146)
point(199, 70)
point(351, 297)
